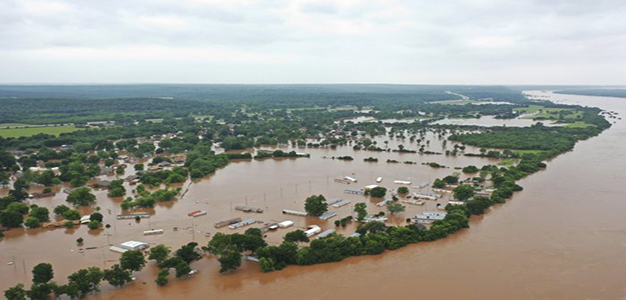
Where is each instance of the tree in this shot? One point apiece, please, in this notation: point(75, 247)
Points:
point(32, 222)
point(361, 211)
point(81, 197)
point(254, 232)
point(60, 209)
point(139, 167)
point(18, 195)
point(15, 292)
point(162, 277)
point(470, 169)
point(219, 244)
point(96, 217)
point(132, 260)
point(42, 273)
point(253, 240)
point(266, 264)
point(378, 191)
point(316, 205)
point(93, 225)
point(182, 269)
point(41, 213)
point(394, 207)
point(188, 253)
point(109, 162)
point(463, 192)
point(117, 276)
point(86, 280)
point(71, 215)
point(40, 291)
point(159, 253)
point(439, 184)
point(116, 188)
point(11, 219)
point(296, 236)
point(373, 227)
point(451, 179)
point(230, 261)
point(403, 190)
point(478, 205)
point(18, 207)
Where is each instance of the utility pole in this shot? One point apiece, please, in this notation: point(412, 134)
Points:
point(193, 230)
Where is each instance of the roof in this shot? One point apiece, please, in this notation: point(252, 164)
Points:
point(133, 244)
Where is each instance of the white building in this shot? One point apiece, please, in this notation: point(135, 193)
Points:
point(134, 245)
point(428, 217)
point(312, 230)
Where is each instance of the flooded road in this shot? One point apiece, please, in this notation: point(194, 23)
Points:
point(563, 237)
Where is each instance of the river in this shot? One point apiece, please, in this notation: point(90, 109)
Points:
point(563, 237)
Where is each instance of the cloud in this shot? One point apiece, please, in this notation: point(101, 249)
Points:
point(402, 41)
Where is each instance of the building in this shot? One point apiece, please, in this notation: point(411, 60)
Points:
point(402, 182)
point(428, 217)
point(326, 233)
point(327, 215)
point(134, 245)
point(285, 224)
point(312, 230)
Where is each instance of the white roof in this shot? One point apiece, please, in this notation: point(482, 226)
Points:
point(133, 244)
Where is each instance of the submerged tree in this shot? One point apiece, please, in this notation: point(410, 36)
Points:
point(316, 205)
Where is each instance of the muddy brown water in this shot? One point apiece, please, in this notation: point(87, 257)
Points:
point(563, 237)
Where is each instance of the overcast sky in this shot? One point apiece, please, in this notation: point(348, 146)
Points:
point(313, 41)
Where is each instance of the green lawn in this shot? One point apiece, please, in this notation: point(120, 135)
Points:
point(507, 162)
point(528, 151)
point(30, 131)
point(579, 125)
point(538, 112)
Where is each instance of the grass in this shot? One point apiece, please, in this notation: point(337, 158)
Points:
point(12, 124)
point(528, 151)
point(540, 112)
point(30, 131)
point(507, 162)
point(579, 125)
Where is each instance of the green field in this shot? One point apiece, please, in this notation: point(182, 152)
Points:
point(30, 131)
point(507, 162)
point(12, 125)
point(579, 125)
point(528, 151)
point(454, 102)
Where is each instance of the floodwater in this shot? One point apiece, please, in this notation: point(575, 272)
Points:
point(563, 237)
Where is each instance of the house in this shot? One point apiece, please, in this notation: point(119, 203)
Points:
point(131, 178)
point(429, 217)
point(312, 230)
point(285, 224)
point(327, 215)
point(164, 164)
point(85, 219)
point(106, 171)
point(104, 184)
point(326, 233)
point(134, 245)
point(43, 195)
